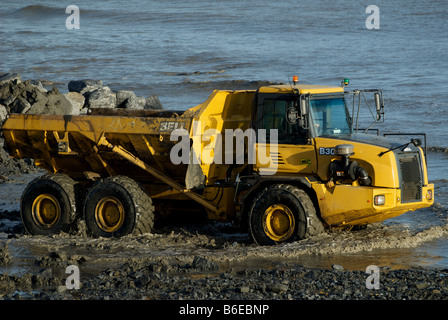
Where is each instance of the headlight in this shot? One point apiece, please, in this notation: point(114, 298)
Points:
point(379, 200)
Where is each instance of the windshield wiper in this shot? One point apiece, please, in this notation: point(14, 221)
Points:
point(415, 142)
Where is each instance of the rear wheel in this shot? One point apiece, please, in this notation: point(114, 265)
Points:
point(48, 205)
point(282, 213)
point(118, 206)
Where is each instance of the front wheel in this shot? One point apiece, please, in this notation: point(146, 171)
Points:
point(281, 213)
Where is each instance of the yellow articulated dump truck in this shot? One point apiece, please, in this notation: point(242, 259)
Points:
point(283, 161)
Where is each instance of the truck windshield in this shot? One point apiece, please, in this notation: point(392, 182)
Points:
point(329, 116)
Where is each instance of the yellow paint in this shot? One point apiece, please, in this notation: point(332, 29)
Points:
point(45, 211)
point(354, 205)
point(109, 214)
point(278, 222)
point(300, 88)
point(382, 170)
point(286, 159)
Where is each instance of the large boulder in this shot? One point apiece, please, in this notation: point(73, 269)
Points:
point(6, 77)
point(153, 102)
point(122, 96)
point(32, 93)
point(102, 98)
point(56, 104)
point(132, 103)
point(77, 101)
point(20, 105)
point(84, 86)
point(39, 86)
point(128, 100)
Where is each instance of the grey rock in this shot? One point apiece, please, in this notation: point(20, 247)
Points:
point(337, 267)
point(128, 100)
point(20, 105)
point(77, 101)
point(141, 102)
point(54, 103)
point(39, 86)
point(122, 96)
point(25, 97)
point(194, 177)
point(9, 99)
point(84, 86)
point(3, 114)
point(203, 264)
point(279, 288)
point(421, 285)
point(132, 103)
point(244, 289)
point(61, 289)
point(153, 102)
point(102, 98)
point(6, 77)
point(31, 92)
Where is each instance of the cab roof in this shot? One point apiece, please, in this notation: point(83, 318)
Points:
point(303, 89)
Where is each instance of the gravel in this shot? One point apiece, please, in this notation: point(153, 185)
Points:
point(163, 280)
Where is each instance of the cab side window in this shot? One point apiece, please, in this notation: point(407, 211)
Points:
point(283, 115)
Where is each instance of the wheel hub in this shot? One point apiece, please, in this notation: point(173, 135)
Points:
point(109, 214)
point(46, 211)
point(278, 222)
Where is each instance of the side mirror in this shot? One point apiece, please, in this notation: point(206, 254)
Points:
point(303, 110)
point(379, 106)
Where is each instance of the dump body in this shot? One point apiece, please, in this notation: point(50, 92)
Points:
point(69, 144)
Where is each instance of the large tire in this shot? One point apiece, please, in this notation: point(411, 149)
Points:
point(282, 213)
point(48, 205)
point(118, 206)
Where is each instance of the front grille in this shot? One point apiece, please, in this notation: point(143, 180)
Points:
point(411, 177)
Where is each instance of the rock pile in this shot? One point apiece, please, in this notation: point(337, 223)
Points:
point(30, 97)
point(98, 96)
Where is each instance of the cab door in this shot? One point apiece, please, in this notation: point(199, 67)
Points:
point(294, 152)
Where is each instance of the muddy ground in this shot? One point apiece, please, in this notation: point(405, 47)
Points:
point(209, 260)
point(203, 261)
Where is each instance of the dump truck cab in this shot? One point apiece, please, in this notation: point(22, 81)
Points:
point(349, 177)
